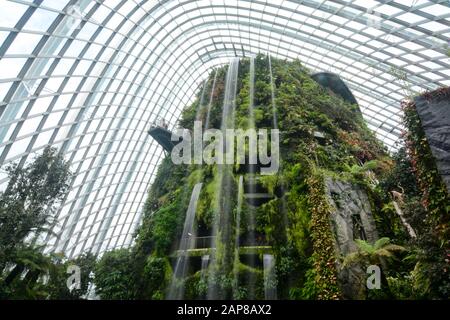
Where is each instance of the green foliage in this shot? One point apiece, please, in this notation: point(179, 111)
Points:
point(308, 290)
point(205, 209)
point(435, 195)
point(115, 276)
point(27, 207)
point(270, 182)
point(57, 283)
point(380, 253)
point(400, 176)
point(295, 223)
point(402, 287)
point(433, 244)
point(156, 274)
point(35, 266)
point(30, 199)
point(222, 284)
point(162, 226)
point(195, 286)
point(374, 254)
point(322, 239)
point(268, 222)
point(27, 260)
point(369, 165)
point(167, 179)
point(430, 275)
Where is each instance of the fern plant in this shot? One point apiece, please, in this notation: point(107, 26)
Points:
point(374, 254)
point(378, 254)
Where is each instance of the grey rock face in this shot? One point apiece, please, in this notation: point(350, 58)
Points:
point(351, 206)
point(435, 118)
point(351, 218)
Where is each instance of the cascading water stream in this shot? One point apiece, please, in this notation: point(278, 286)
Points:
point(272, 91)
point(251, 224)
point(270, 289)
point(251, 104)
point(208, 112)
point(275, 126)
point(227, 260)
point(240, 197)
point(204, 266)
point(176, 288)
point(222, 227)
point(201, 102)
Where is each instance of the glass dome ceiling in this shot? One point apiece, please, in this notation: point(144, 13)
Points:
point(89, 77)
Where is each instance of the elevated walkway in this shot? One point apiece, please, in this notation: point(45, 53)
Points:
point(163, 137)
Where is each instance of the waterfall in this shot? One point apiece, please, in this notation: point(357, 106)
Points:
point(208, 112)
point(201, 101)
point(229, 100)
point(270, 283)
point(204, 266)
point(176, 288)
point(251, 98)
point(222, 227)
point(237, 235)
point(251, 224)
point(272, 90)
point(283, 198)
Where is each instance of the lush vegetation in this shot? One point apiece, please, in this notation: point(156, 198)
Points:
point(322, 137)
point(27, 209)
point(295, 223)
point(429, 206)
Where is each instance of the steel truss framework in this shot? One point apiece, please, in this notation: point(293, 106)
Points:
point(90, 76)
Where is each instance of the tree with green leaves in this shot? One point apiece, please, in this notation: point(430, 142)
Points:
point(27, 207)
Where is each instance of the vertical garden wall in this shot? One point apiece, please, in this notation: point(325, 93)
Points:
point(287, 216)
point(335, 207)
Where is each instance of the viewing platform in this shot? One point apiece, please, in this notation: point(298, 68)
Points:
point(160, 132)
